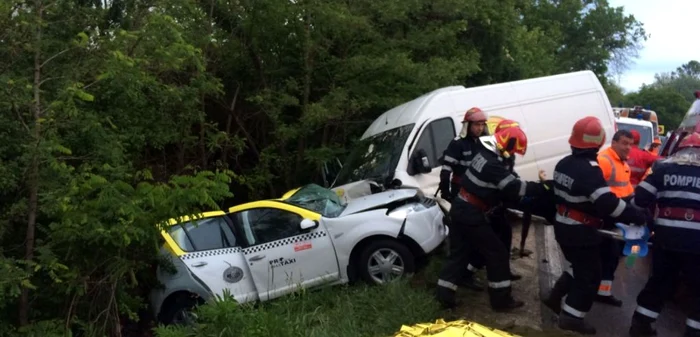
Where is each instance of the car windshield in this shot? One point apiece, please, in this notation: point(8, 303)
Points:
point(644, 134)
point(374, 157)
point(318, 199)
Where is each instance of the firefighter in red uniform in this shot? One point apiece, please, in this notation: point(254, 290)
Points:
point(639, 160)
point(674, 185)
point(583, 200)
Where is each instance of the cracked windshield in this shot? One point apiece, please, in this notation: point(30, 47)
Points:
point(374, 157)
point(318, 199)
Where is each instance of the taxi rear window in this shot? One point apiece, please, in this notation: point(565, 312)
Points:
point(204, 234)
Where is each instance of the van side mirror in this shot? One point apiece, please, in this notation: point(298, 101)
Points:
point(307, 224)
point(420, 162)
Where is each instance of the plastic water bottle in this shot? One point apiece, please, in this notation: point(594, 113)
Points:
point(629, 261)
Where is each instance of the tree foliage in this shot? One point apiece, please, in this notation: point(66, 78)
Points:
point(670, 95)
point(120, 114)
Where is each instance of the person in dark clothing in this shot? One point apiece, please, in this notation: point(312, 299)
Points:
point(460, 151)
point(486, 184)
point(499, 221)
point(456, 159)
point(674, 185)
point(584, 200)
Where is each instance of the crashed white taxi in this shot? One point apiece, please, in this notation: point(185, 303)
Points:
point(310, 237)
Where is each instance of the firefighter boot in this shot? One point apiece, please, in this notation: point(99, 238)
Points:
point(446, 297)
point(571, 323)
point(641, 327)
point(502, 301)
point(560, 289)
point(471, 282)
point(609, 300)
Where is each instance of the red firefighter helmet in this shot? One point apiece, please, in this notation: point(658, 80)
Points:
point(506, 123)
point(636, 137)
point(511, 140)
point(588, 133)
point(474, 115)
point(692, 140)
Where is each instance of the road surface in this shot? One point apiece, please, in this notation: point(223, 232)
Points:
point(608, 320)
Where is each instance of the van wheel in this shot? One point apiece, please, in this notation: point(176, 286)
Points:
point(383, 261)
point(180, 311)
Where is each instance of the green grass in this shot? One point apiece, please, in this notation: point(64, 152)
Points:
point(342, 311)
point(346, 311)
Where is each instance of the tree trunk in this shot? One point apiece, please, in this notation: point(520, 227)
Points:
point(33, 178)
point(308, 68)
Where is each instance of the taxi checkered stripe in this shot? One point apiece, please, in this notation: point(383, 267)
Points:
point(284, 242)
point(196, 255)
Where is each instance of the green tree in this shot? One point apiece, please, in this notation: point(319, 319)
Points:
point(587, 35)
point(669, 105)
point(85, 106)
point(685, 80)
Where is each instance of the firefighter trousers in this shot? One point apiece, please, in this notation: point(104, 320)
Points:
point(586, 267)
point(666, 266)
point(502, 227)
point(610, 252)
point(503, 230)
point(453, 269)
point(481, 236)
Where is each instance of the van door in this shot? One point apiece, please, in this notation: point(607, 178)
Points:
point(433, 139)
point(548, 124)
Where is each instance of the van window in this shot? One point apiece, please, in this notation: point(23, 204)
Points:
point(435, 138)
point(644, 133)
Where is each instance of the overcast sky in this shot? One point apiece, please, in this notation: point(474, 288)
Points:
point(673, 28)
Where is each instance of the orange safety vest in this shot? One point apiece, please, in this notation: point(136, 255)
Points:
point(616, 172)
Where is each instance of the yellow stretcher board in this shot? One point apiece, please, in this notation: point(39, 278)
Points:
point(460, 328)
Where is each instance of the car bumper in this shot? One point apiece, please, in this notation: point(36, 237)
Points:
point(427, 228)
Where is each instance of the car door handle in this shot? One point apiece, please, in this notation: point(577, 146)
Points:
point(257, 257)
point(199, 264)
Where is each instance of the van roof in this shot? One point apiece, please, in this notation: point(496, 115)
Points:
point(633, 121)
point(457, 99)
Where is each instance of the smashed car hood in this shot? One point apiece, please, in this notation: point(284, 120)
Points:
point(377, 200)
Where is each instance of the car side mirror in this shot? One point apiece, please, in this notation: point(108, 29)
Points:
point(421, 163)
point(307, 224)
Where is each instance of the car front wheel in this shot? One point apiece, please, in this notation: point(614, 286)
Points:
point(382, 261)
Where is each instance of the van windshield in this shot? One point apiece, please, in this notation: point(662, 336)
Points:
point(644, 134)
point(374, 157)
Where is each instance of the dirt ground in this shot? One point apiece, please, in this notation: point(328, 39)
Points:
point(525, 321)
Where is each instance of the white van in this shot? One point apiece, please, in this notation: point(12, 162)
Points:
point(545, 107)
point(645, 129)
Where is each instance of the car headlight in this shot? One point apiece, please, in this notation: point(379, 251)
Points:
point(403, 211)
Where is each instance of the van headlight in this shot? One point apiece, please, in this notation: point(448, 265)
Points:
point(403, 211)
